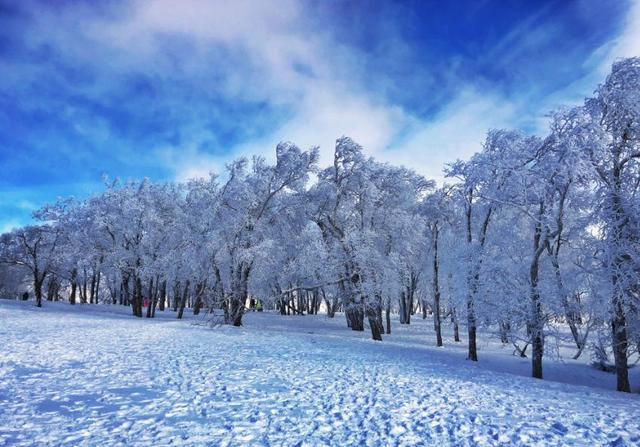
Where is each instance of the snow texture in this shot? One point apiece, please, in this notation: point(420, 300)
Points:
point(92, 376)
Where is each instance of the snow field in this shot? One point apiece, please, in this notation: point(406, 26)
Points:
point(74, 376)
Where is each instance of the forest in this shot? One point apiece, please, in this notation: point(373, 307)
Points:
point(531, 236)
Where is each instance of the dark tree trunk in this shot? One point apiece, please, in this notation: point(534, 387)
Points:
point(176, 295)
point(375, 322)
point(620, 346)
point(92, 287)
point(163, 296)
point(237, 309)
point(50, 288)
point(97, 291)
point(137, 298)
point(239, 294)
point(200, 288)
point(355, 318)
point(151, 293)
point(83, 293)
point(456, 329)
point(38, 280)
point(183, 302)
point(406, 304)
point(471, 326)
point(536, 323)
point(388, 316)
point(74, 285)
point(436, 290)
point(126, 289)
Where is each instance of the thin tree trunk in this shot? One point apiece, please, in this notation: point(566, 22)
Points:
point(92, 287)
point(536, 323)
point(388, 316)
point(183, 302)
point(83, 295)
point(456, 329)
point(151, 293)
point(74, 285)
point(436, 290)
point(97, 292)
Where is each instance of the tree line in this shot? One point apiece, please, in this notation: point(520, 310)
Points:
point(529, 235)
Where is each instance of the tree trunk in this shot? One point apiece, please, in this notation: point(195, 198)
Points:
point(92, 287)
point(388, 316)
point(331, 310)
point(618, 321)
point(474, 278)
point(239, 294)
point(375, 322)
point(176, 295)
point(198, 301)
point(236, 311)
point(97, 292)
point(505, 327)
point(136, 304)
point(183, 302)
point(471, 327)
point(51, 288)
point(456, 329)
point(83, 292)
point(536, 323)
point(436, 290)
point(38, 279)
point(151, 293)
point(401, 308)
point(74, 285)
point(620, 346)
point(126, 289)
point(355, 318)
point(161, 298)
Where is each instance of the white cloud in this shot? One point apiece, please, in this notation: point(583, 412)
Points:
point(278, 57)
point(456, 132)
point(9, 225)
point(328, 106)
point(285, 62)
point(459, 129)
point(627, 44)
point(188, 163)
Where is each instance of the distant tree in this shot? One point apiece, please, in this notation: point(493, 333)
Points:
point(34, 248)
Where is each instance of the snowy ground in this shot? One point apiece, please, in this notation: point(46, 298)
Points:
point(95, 376)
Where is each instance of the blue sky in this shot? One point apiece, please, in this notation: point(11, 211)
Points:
point(171, 90)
